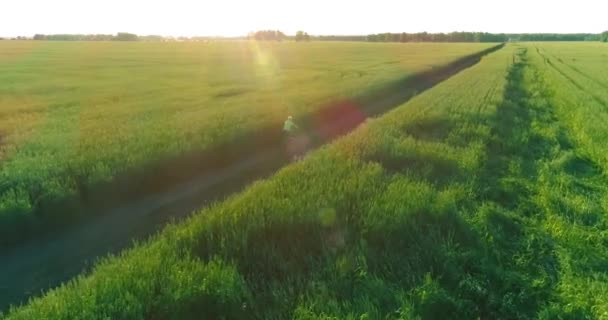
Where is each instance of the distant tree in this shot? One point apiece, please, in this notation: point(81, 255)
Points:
point(604, 36)
point(552, 37)
point(372, 38)
point(268, 35)
point(101, 37)
point(593, 37)
point(74, 37)
point(124, 36)
point(425, 37)
point(434, 37)
point(151, 38)
point(302, 36)
point(439, 37)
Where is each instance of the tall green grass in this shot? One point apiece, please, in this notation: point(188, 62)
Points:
point(574, 184)
point(471, 201)
point(325, 229)
point(73, 115)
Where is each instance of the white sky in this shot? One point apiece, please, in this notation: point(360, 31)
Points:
point(238, 17)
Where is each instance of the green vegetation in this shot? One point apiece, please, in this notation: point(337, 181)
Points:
point(482, 198)
point(268, 35)
point(437, 37)
point(74, 115)
point(555, 37)
point(323, 232)
point(465, 37)
point(121, 36)
point(576, 77)
point(302, 36)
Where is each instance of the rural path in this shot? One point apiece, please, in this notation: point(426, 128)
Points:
point(27, 270)
point(31, 268)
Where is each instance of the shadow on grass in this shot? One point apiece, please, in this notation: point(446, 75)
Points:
point(432, 166)
point(509, 181)
point(433, 129)
point(578, 166)
point(515, 148)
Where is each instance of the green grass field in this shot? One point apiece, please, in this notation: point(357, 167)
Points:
point(483, 198)
point(73, 115)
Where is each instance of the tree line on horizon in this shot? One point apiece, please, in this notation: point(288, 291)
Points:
point(556, 37)
point(277, 35)
point(437, 37)
point(267, 35)
point(470, 37)
point(121, 36)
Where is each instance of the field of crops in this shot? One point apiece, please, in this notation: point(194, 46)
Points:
point(483, 198)
point(73, 115)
